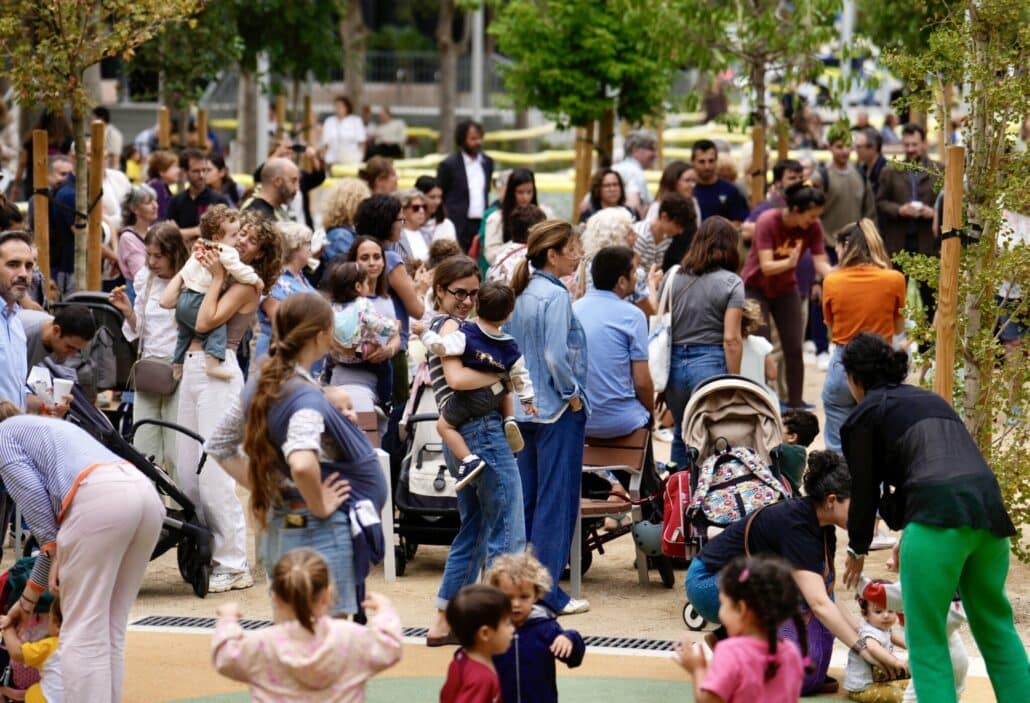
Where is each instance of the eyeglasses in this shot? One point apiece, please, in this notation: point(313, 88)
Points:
point(462, 294)
point(417, 208)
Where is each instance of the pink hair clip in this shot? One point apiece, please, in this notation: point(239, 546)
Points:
point(743, 576)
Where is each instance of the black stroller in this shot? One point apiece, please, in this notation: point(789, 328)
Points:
point(181, 528)
point(424, 494)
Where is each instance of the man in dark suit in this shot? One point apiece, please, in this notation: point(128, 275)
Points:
point(904, 199)
point(464, 178)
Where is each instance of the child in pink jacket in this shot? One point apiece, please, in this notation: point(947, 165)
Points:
point(306, 655)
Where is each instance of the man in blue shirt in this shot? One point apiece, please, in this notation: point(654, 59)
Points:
point(714, 195)
point(15, 274)
point(618, 384)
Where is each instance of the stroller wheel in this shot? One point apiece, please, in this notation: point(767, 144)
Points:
point(410, 549)
point(201, 579)
point(692, 619)
point(400, 556)
point(664, 566)
point(182, 556)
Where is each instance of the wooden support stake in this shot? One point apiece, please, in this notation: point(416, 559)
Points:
point(660, 156)
point(951, 250)
point(41, 205)
point(757, 176)
point(164, 128)
point(202, 129)
point(94, 254)
point(280, 116)
point(309, 120)
point(783, 140)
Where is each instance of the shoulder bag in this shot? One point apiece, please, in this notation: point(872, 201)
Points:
point(659, 339)
point(156, 376)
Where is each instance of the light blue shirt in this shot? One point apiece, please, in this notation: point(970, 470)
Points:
point(616, 335)
point(14, 364)
point(553, 345)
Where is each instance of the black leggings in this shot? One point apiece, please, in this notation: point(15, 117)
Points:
point(786, 311)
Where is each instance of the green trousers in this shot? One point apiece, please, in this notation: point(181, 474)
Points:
point(934, 562)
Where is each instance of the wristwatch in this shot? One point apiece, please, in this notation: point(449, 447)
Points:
point(855, 555)
point(859, 646)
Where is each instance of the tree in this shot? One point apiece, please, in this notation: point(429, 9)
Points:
point(575, 59)
point(893, 28)
point(984, 46)
point(354, 37)
point(765, 36)
point(47, 46)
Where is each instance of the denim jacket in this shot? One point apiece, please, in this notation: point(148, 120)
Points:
point(553, 344)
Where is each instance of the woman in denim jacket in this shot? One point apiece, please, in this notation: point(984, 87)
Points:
point(554, 346)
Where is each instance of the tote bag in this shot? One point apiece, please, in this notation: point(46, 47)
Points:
point(659, 339)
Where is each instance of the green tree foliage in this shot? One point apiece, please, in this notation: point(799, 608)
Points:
point(46, 46)
point(299, 35)
point(572, 57)
point(904, 28)
point(984, 46)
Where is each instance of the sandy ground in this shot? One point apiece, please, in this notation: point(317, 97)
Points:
point(619, 605)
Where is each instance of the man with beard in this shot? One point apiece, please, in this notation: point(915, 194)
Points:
point(464, 177)
point(280, 181)
point(15, 274)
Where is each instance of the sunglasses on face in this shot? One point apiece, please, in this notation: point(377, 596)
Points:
point(417, 208)
point(462, 294)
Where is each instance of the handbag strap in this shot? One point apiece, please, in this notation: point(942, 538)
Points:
point(747, 529)
point(143, 314)
point(663, 300)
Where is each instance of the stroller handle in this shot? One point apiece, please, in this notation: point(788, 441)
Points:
point(178, 428)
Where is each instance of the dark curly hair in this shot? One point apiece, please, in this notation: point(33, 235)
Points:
point(872, 362)
point(268, 263)
point(827, 475)
point(595, 187)
point(375, 216)
point(766, 585)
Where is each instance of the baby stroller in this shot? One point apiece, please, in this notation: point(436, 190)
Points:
point(182, 529)
point(424, 495)
point(731, 427)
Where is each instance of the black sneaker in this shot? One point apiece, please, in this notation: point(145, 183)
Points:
point(468, 470)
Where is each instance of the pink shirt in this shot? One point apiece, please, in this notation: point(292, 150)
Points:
point(132, 253)
point(737, 672)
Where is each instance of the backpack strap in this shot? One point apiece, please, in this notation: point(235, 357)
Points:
point(747, 529)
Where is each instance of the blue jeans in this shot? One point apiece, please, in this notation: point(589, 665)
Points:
point(837, 400)
point(690, 365)
point(551, 467)
point(702, 588)
point(330, 537)
point(490, 508)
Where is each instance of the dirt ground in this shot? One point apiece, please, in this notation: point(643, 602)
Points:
point(619, 605)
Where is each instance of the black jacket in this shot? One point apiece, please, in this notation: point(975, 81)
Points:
point(912, 458)
point(450, 176)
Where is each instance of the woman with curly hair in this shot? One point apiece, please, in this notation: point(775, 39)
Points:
point(338, 211)
point(380, 175)
point(606, 191)
point(203, 398)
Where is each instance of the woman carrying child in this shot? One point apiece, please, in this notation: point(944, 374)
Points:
point(312, 474)
point(490, 508)
point(204, 399)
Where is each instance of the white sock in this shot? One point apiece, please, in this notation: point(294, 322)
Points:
point(470, 457)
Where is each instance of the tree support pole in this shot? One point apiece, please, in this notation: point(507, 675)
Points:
point(41, 205)
point(951, 250)
point(94, 254)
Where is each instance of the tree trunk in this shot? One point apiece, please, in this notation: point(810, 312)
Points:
point(184, 126)
point(246, 135)
point(81, 196)
point(756, 176)
point(448, 74)
point(584, 164)
point(354, 37)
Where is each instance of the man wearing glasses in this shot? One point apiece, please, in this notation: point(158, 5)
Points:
point(186, 208)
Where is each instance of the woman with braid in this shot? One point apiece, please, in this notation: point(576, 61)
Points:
point(312, 474)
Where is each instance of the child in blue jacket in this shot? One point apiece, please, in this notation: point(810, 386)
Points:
point(527, 669)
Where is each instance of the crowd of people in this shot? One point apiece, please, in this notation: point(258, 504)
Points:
point(266, 340)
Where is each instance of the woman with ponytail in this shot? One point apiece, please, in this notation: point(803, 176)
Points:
point(803, 532)
point(554, 346)
point(912, 459)
point(310, 471)
point(864, 294)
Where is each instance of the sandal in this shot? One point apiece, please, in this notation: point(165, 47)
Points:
point(446, 640)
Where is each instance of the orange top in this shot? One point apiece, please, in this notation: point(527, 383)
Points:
point(863, 298)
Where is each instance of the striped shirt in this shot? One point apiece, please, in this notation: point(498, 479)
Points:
point(441, 391)
point(40, 460)
point(650, 253)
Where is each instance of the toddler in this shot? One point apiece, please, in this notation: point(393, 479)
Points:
point(42, 655)
point(484, 347)
point(307, 655)
point(219, 230)
point(864, 682)
point(527, 670)
point(756, 596)
point(358, 326)
point(883, 595)
point(755, 360)
point(800, 429)
point(480, 617)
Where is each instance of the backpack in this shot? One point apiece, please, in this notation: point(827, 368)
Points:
point(678, 539)
point(731, 485)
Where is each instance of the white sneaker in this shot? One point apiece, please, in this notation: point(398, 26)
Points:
point(575, 606)
point(822, 362)
point(808, 347)
point(230, 581)
point(664, 434)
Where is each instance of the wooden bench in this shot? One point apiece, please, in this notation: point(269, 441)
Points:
point(628, 454)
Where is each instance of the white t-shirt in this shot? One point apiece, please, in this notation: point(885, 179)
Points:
point(443, 230)
point(476, 177)
point(416, 243)
point(752, 361)
point(345, 139)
